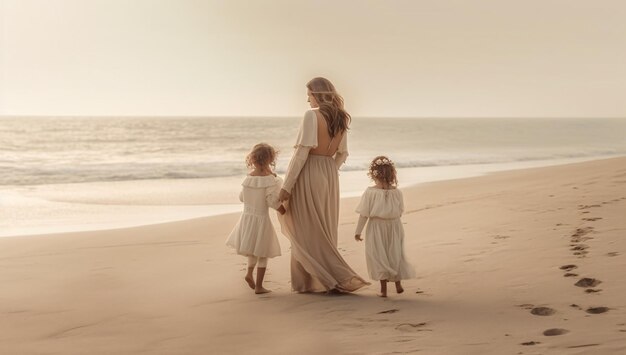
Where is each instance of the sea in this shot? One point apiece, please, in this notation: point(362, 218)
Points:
point(196, 163)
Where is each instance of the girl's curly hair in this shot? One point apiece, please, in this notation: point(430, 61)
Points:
point(382, 169)
point(263, 155)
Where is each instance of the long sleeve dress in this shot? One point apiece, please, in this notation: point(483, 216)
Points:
point(384, 236)
point(254, 234)
point(312, 219)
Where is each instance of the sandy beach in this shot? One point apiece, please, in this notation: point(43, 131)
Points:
point(520, 262)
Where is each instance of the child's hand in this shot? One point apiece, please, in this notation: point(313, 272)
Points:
point(283, 195)
point(358, 238)
point(282, 209)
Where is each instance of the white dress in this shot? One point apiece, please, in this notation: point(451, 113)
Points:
point(384, 236)
point(254, 234)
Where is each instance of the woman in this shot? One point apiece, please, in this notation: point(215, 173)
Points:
point(312, 188)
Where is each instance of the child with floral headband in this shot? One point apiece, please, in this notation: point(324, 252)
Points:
point(254, 236)
point(383, 205)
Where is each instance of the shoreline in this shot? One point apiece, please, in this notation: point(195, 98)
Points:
point(96, 206)
point(488, 250)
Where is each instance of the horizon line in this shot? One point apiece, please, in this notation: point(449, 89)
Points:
point(3, 116)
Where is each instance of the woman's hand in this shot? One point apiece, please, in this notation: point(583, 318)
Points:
point(358, 238)
point(284, 195)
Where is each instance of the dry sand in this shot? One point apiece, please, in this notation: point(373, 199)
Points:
point(488, 253)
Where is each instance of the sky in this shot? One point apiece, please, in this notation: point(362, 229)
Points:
point(411, 58)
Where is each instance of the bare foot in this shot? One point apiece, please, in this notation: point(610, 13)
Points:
point(383, 288)
point(261, 290)
point(250, 281)
point(399, 288)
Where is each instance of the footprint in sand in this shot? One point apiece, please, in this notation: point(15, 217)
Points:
point(574, 305)
point(526, 306)
point(555, 331)
point(597, 310)
point(580, 232)
point(570, 274)
point(531, 343)
point(580, 239)
point(501, 236)
point(412, 327)
point(568, 267)
point(588, 282)
point(542, 311)
point(581, 346)
point(584, 207)
point(389, 311)
point(579, 247)
point(613, 253)
point(592, 219)
point(591, 290)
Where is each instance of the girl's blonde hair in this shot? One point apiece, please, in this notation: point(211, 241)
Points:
point(330, 105)
point(263, 154)
point(382, 169)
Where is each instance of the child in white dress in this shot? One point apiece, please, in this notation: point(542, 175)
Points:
point(383, 205)
point(254, 235)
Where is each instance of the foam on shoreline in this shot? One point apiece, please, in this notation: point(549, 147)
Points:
point(45, 209)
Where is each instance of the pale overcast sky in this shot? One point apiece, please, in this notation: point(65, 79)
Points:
point(388, 58)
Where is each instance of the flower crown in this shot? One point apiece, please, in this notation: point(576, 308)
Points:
point(379, 162)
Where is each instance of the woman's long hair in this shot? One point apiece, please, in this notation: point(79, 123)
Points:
point(330, 105)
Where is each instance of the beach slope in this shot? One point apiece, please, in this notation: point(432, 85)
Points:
point(526, 261)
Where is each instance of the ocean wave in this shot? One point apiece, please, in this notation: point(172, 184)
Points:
point(424, 163)
point(39, 176)
point(43, 151)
